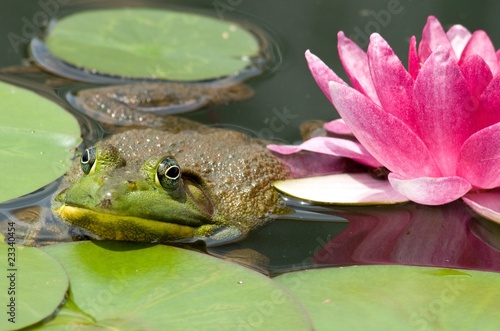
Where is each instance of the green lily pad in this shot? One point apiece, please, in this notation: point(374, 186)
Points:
point(152, 43)
point(129, 286)
point(37, 141)
point(397, 298)
point(35, 286)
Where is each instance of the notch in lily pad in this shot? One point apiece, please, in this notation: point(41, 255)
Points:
point(147, 43)
point(129, 286)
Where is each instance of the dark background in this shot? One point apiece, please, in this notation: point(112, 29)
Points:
point(295, 26)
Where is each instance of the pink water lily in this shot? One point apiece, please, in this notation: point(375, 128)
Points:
point(435, 125)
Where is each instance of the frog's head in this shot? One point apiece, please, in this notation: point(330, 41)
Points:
point(146, 199)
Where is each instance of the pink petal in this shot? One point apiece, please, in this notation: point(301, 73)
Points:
point(459, 37)
point(445, 111)
point(413, 59)
point(331, 146)
point(477, 74)
point(337, 126)
point(481, 45)
point(355, 64)
point(486, 204)
point(307, 164)
point(489, 104)
point(429, 190)
point(385, 137)
point(479, 161)
point(322, 73)
point(392, 82)
point(423, 51)
point(433, 36)
point(351, 189)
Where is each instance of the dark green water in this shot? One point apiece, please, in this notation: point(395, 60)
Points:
point(296, 26)
point(288, 95)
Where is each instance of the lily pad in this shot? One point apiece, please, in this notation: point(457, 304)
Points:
point(152, 43)
point(35, 286)
point(397, 298)
point(128, 286)
point(37, 138)
point(341, 189)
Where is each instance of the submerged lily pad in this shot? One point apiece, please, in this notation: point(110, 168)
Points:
point(35, 286)
point(37, 138)
point(341, 189)
point(152, 43)
point(127, 286)
point(397, 298)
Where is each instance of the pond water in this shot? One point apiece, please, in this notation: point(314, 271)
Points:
point(447, 236)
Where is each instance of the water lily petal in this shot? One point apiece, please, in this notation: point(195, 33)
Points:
point(445, 111)
point(489, 104)
point(350, 189)
point(477, 74)
point(430, 190)
point(481, 45)
point(355, 62)
point(382, 134)
point(391, 80)
point(458, 36)
point(337, 126)
point(331, 146)
point(486, 204)
point(479, 161)
point(433, 36)
point(413, 59)
point(307, 164)
point(322, 73)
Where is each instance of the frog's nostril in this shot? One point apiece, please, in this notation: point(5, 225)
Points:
point(131, 185)
point(106, 203)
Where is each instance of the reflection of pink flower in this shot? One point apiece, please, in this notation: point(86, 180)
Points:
point(413, 235)
point(435, 126)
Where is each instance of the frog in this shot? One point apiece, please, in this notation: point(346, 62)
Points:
point(144, 104)
point(152, 185)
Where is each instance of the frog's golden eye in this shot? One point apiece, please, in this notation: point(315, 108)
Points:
point(168, 174)
point(87, 161)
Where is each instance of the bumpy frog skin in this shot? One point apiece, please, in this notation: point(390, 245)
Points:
point(155, 186)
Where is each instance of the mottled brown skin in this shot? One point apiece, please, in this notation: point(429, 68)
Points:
point(142, 104)
point(234, 171)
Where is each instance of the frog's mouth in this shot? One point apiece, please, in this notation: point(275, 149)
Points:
point(128, 228)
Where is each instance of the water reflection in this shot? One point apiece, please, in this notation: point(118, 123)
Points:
point(446, 236)
point(411, 235)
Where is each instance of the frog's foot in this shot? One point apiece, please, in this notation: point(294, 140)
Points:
point(214, 235)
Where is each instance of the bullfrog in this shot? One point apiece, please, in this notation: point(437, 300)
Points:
point(157, 186)
point(143, 104)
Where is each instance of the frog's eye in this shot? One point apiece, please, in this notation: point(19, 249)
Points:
point(168, 174)
point(87, 161)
